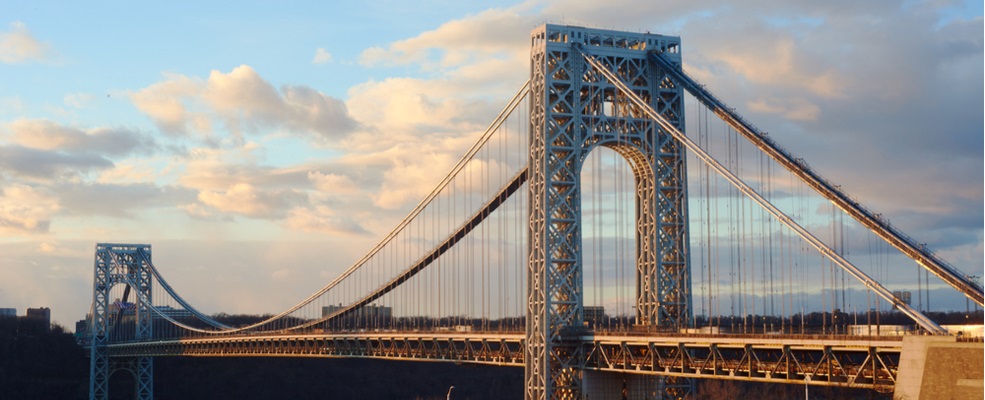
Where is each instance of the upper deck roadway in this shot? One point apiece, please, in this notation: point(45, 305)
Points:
point(827, 360)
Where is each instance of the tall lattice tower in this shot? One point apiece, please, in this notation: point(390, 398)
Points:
point(574, 109)
point(130, 265)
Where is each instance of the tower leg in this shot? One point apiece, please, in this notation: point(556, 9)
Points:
point(98, 374)
point(145, 378)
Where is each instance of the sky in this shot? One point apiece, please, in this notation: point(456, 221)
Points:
point(262, 148)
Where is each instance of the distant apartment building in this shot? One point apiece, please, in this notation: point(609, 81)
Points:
point(903, 296)
point(594, 315)
point(41, 313)
point(127, 311)
point(81, 328)
point(8, 312)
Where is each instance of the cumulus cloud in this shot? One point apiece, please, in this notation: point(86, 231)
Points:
point(241, 102)
point(333, 184)
point(48, 135)
point(307, 198)
point(248, 200)
point(322, 56)
point(44, 164)
point(120, 200)
point(165, 102)
point(26, 209)
point(231, 182)
point(400, 107)
point(18, 45)
point(409, 180)
point(796, 109)
point(323, 219)
point(496, 32)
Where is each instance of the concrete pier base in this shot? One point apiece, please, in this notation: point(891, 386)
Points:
point(939, 367)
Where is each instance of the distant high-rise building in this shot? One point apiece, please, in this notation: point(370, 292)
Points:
point(8, 312)
point(42, 313)
point(594, 315)
point(904, 296)
point(173, 312)
point(81, 328)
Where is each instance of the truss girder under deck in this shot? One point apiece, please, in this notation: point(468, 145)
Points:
point(821, 362)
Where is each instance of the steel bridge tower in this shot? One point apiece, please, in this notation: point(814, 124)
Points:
point(128, 264)
point(574, 109)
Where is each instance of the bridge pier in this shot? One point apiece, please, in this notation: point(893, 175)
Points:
point(939, 367)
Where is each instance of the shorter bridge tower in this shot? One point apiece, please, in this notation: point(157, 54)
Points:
point(128, 264)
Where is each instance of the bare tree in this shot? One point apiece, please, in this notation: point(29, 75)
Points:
point(718, 389)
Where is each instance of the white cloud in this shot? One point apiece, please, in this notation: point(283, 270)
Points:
point(129, 171)
point(164, 103)
point(795, 109)
point(499, 32)
point(404, 106)
point(241, 102)
point(48, 135)
point(117, 199)
point(411, 178)
point(322, 56)
point(323, 219)
point(248, 200)
point(19, 46)
point(47, 165)
point(78, 100)
point(333, 184)
point(25, 209)
point(46, 247)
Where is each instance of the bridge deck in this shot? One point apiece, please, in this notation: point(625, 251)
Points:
point(847, 361)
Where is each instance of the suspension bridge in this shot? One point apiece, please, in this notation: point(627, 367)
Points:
point(618, 230)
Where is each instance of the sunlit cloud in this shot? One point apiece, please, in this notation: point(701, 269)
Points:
point(49, 135)
point(18, 45)
point(332, 184)
point(411, 179)
point(494, 32)
point(248, 200)
point(777, 63)
point(129, 200)
point(164, 103)
point(239, 103)
point(325, 220)
point(32, 164)
point(26, 210)
point(796, 109)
